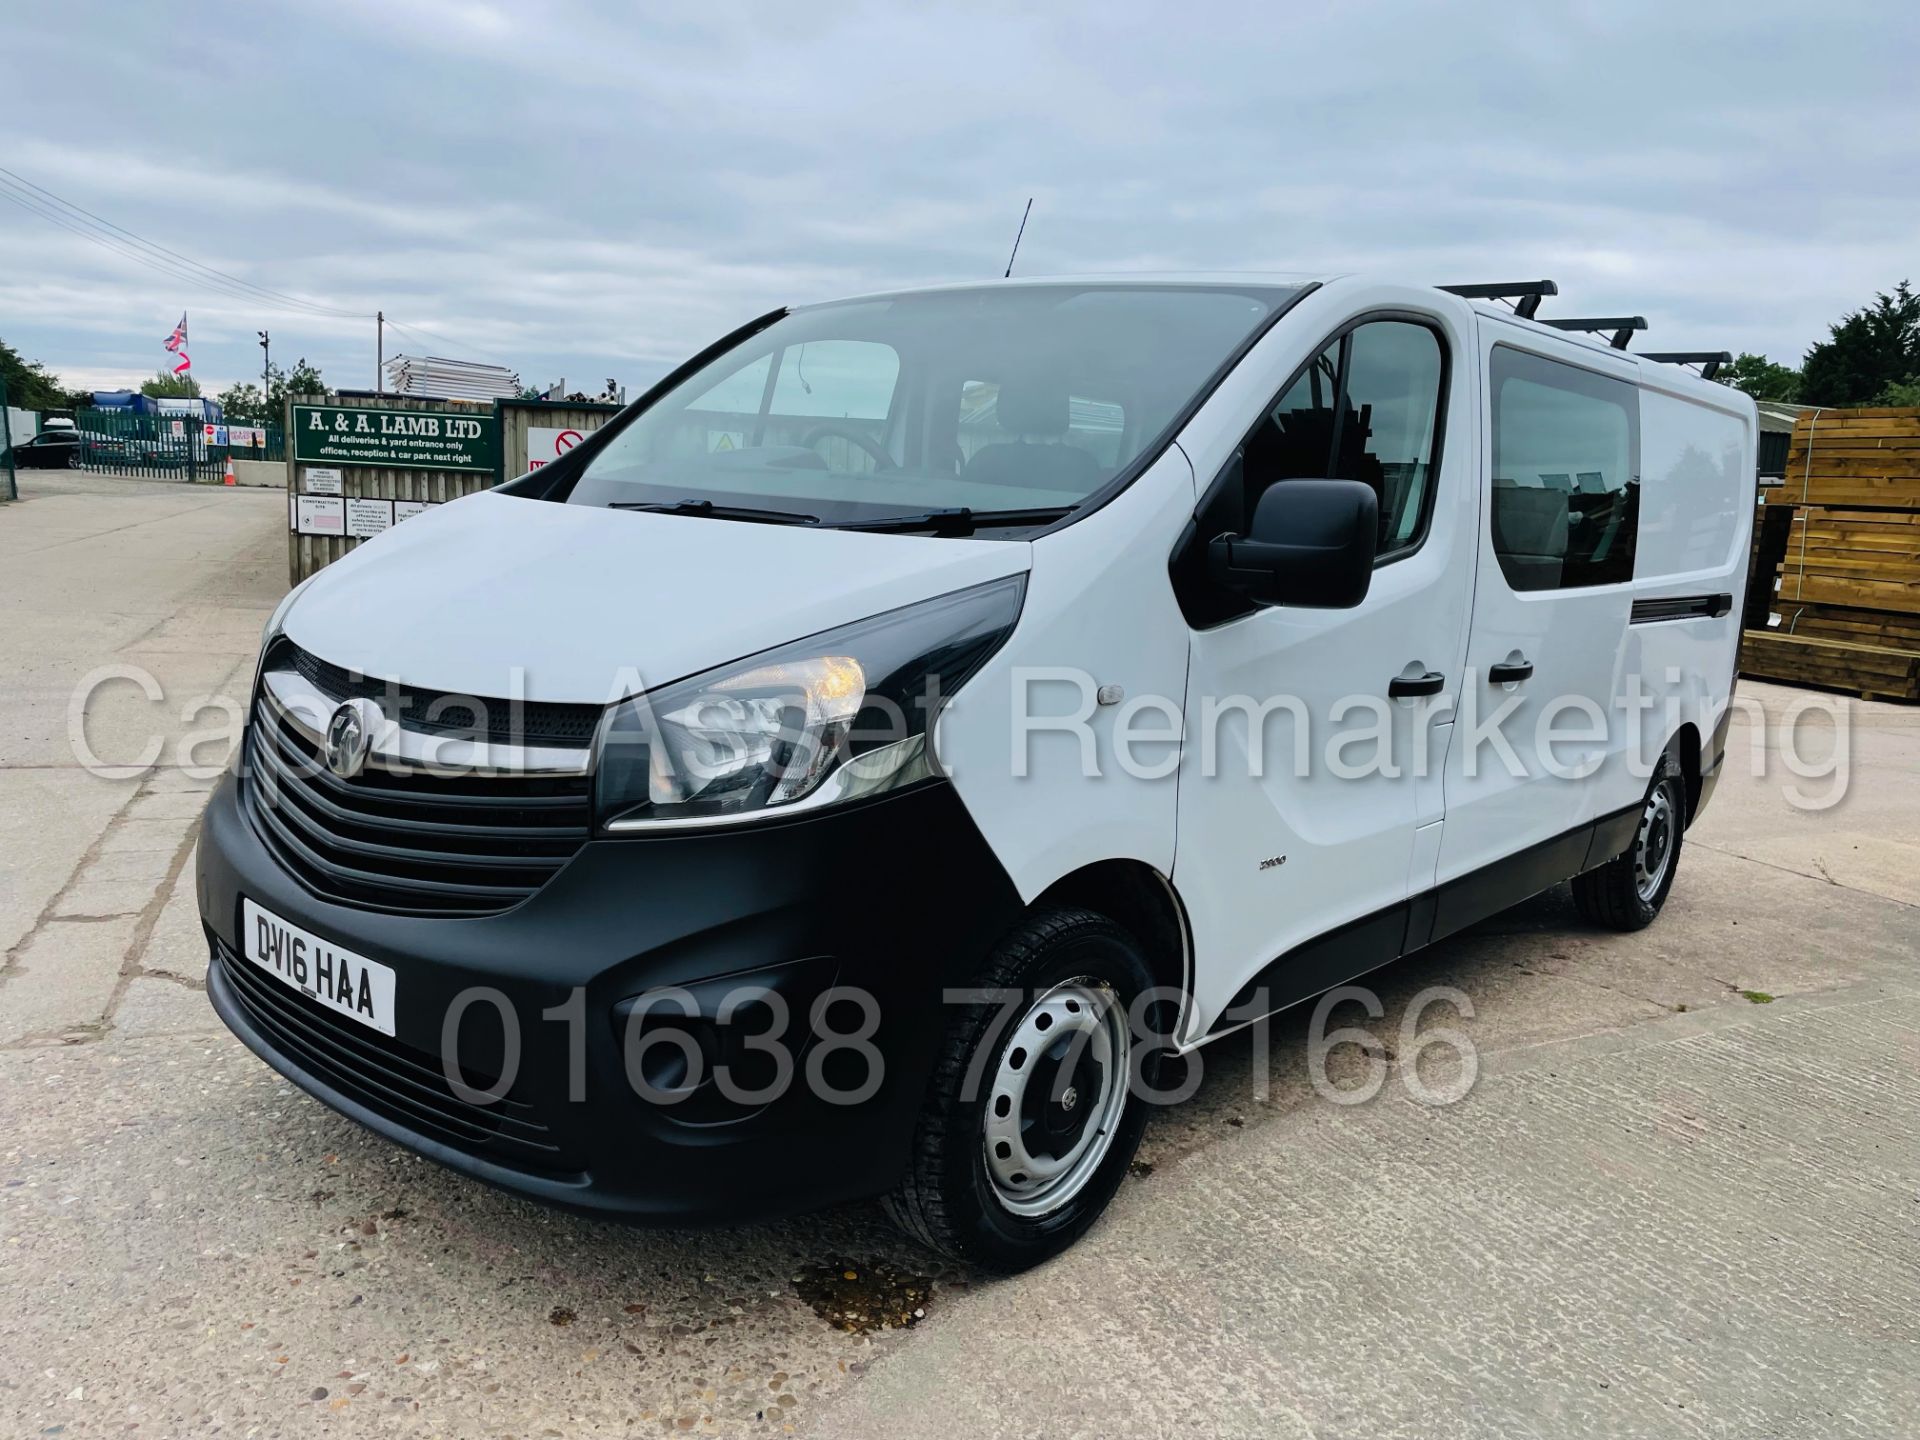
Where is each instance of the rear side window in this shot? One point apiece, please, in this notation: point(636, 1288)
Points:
point(1566, 485)
point(1367, 408)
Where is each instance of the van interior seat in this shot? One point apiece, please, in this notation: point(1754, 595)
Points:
point(1530, 525)
point(1036, 410)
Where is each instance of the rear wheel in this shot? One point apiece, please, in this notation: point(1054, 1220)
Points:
point(1031, 1118)
point(1628, 891)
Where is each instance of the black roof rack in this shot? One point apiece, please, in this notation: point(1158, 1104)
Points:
point(1526, 295)
point(1709, 361)
point(1622, 327)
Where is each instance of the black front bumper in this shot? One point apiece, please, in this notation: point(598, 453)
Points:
point(898, 898)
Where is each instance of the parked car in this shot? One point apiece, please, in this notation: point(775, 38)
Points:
point(51, 450)
point(160, 454)
point(99, 448)
point(924, 726)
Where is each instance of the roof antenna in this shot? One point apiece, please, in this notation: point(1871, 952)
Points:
point(1016, 238)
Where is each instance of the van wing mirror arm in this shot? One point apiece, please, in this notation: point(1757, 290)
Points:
point(1244, 564)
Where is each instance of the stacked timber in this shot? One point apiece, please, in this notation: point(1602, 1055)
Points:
point(1846, 612)
point(1864, 558)
point(1855, 457)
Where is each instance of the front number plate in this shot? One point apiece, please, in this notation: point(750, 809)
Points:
point(351, 984)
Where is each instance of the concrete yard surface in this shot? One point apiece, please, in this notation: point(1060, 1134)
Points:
point(1680, 1197)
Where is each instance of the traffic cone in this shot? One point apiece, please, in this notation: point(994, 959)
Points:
point(229, 480)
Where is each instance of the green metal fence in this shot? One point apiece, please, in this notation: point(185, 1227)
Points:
point(256, 442)
point(169, 447)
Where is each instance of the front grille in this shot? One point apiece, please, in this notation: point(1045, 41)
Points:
point(413, 843)
point(495, 722)
point(393, 1079)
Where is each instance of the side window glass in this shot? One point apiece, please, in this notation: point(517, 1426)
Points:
point(1566, 494)
point(1295, 440)
point(720, 418)
point(1389, 424)
point(738, 393)
point(1097, 427)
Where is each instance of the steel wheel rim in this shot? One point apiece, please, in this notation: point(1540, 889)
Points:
point(1054, 1100)
point(1653, 847)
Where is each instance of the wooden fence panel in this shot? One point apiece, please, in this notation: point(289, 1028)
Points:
point(519, 417)
point(309, 554)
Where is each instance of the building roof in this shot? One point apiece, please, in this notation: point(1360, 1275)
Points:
point(1779, 415)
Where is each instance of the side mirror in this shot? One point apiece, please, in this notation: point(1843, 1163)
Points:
point(1312, 545)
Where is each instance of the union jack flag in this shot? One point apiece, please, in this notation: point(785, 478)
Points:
point(177, 344)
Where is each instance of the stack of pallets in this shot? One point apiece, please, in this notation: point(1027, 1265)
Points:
point(1848, 564)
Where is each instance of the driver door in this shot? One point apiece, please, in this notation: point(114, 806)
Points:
point(1297, 850)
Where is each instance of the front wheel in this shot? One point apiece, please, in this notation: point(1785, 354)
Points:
point(1031, 1117)
point(1628, 891)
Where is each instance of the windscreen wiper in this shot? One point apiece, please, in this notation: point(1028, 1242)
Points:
point(959, 520)
point(707, 509)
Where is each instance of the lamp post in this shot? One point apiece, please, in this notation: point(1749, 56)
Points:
point(266, 362)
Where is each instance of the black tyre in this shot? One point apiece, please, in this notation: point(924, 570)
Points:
point(1031, 1118)
point(1628, 891)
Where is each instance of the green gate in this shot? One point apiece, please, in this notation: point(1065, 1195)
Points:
point(166, 447)
point(12, 490)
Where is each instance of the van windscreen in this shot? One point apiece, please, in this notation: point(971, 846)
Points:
point(1014, 398)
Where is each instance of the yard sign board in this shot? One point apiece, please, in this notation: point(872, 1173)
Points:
point(398, 439)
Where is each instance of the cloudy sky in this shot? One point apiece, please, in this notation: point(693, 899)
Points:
point(591, 190)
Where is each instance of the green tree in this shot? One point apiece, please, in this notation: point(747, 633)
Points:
point(1761, 378)
point(1905, 393)
point(165, 386)
point(30, 386)
point(243, 404)
point(303, 379)
point(1871, 349)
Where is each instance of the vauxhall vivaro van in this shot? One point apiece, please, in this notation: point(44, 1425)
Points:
point(860, 765)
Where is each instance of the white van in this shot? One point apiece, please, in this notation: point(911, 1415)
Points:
point(856, 767)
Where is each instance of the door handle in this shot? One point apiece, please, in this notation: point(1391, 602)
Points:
point(1406, 687)
point(1509, 674)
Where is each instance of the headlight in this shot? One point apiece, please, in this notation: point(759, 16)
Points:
point(841, 715)
point(276, 623)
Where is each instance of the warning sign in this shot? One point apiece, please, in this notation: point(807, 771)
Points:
point(546, 444)
point(320, 515)
point(721, 440)
point(367, 518)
